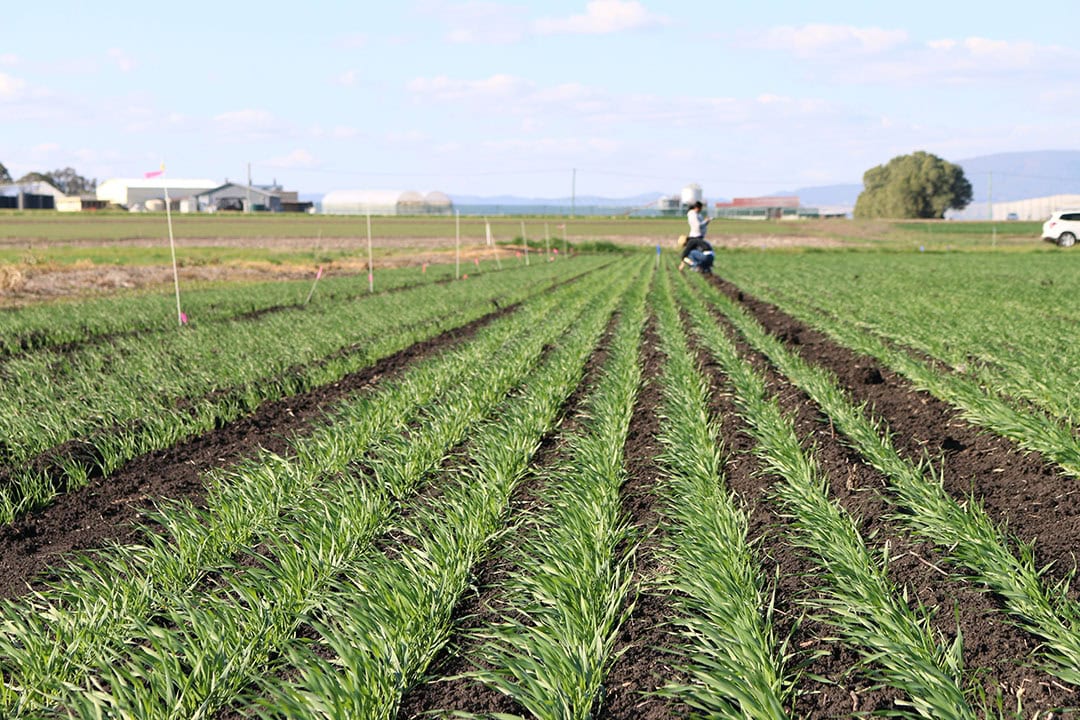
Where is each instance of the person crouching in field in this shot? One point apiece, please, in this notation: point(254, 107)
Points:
point(697, 252)
point(698, 255)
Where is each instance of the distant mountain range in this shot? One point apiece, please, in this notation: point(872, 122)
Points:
point(642, 200)
point(1000, 178)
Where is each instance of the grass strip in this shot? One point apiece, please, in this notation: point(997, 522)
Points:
point(979, 403)
point(162, 421)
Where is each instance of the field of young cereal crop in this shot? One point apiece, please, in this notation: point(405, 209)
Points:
point(811, 486)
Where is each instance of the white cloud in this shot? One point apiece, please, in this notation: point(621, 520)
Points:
point(251, 124)
point(982, 54)
point(444, 88)
point(121, 59)
point(11, 87)
point(296, 159)
point(819, 39)
point(347, 78)
point(478, 21)
point(9, 59)
point(343, 132)
point(516, 105)
point(352, 41)
point(602, 17)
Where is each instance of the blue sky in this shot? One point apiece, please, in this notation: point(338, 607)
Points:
point(488, 98)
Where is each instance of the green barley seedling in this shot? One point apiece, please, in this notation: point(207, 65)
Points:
point(241, 505)
point(572, 592)
point(115, 395)
point(895, 641)
point(962, 530)
point(225, 680)
point(737, 666)
point(401, 604)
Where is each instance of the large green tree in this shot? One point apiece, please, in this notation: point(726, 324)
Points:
point(5, 176)
point(919, 185)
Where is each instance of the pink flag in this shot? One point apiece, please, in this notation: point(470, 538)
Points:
point(465, 276)
point(153, 173)
point(423, 268)
point(476, 261)
point(319, 274)
point(183, 318)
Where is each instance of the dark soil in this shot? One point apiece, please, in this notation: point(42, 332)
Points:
point(995, 651)
point(645, 663)
point(1017, 488)
point(443, 692)
point(110, 508)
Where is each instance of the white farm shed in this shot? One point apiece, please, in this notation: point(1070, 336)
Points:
point(1034, 208)
point(386, 202)
point(128, 191)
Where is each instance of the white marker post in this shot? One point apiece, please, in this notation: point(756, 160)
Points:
point(312, 291)
point(526, 241)
point(180, 318)
point(370, 269)
point(491, 243)
point(547, 241)
point(457, 244)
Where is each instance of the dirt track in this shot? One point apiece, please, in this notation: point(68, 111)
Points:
point(27, 283)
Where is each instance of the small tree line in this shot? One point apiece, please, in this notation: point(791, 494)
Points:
point(66, 180)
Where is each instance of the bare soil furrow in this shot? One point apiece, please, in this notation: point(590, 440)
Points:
point(107, 510)
point(444, 692)
point(643, 665)
point(998, 656)
point(1016, 487)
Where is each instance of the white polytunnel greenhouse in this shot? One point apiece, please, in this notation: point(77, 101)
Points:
point(386, 202)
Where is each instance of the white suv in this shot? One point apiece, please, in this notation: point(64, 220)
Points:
point(1063, 227)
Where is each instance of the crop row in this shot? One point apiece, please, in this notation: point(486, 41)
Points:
point(987, 405)
point(326, 583)
point(1008, 329)
point(962, 530)
point(41, 326)
point(113, 403)
point(320, 504)
point(979, 549)
point(561, 607)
